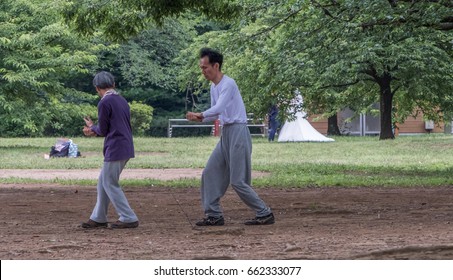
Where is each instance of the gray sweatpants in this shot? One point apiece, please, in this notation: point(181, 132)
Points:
point(230, 163)
point(109, 190)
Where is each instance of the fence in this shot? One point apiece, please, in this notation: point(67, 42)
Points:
point(183, 123)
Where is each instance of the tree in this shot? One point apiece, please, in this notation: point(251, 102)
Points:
point(345, 54)
point(151, 33)
point(37, 49)
point(146, 64)
point(332, 125)
point(121, 19)
point(398, 47)
point(38, 53)
point(146, 70)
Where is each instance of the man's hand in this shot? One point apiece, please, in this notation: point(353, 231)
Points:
point(88, 121)
point(88, 132)
point(194, 117)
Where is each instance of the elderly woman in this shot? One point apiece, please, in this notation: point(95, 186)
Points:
point(113, 124)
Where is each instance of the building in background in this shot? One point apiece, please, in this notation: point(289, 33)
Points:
point(367, 124)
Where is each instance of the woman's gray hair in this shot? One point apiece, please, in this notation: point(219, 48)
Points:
point(104, 80)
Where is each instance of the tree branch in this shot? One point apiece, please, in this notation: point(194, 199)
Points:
point(341, 85)
point(264, 7)
point(370, 72)
point(280, 22)
point(394, 91)
point(327, 12)
point(446, 24)
point(440, 2)
point(393, 3)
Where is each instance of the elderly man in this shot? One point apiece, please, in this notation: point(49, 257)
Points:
point(113, 124)
point(230, 162)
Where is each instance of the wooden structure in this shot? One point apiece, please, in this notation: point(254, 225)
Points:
point(412, 125)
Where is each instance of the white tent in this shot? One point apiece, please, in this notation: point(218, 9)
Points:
point(300, 130)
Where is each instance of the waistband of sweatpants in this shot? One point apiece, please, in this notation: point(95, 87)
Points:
point(232, 124)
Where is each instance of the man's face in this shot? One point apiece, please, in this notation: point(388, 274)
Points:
point(208, 70)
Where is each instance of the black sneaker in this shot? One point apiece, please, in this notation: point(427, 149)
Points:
point(119, 224)
point(92, 224)
point(265, 220)
point(211, 221)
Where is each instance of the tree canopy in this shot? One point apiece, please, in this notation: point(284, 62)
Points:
point(38, 53)
point(121, 19)
point(338, 53)
point(37, 49)
point(344, 54)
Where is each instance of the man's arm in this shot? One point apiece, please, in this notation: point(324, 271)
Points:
point(225, 97)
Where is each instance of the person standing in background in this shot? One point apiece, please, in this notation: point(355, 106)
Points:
point(273, 122)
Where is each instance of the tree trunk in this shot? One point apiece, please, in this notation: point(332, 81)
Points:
point(332, 125)
point(386, 98)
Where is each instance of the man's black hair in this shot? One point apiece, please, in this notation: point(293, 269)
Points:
point(213, 56)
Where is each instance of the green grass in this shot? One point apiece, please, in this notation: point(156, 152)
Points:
point(350, 161)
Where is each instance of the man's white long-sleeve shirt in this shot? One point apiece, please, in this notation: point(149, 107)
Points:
point(226, 103)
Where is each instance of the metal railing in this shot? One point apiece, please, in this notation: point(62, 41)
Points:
point(181, 123)
point(171, 125)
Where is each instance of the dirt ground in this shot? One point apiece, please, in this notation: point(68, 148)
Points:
point(42, 222)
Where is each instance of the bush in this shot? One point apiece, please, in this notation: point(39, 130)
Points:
point(54, 118)
point(67, 119)
point(141, 117)
point(21, 120)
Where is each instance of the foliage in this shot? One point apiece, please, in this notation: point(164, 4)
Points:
point(60, 119)
point(38, 55)
point(342, 54)
point(19, 120)
point(141, 117)
point(336, 53)
point(121, 19)
point(66, 119)
point(44, 118)
point(146, 70)
point(146, 60)
point(37, 49)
